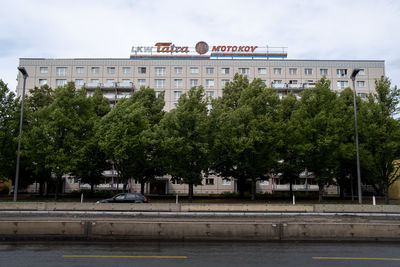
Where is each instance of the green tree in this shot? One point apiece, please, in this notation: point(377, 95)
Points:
point(316, 123)
point(380, 137)
point(33, 139)
point(245, 132)
point(289, 144)
point(92, 161)
point(63, 127)
point(8, 132)
point(184, 139)
point(127, 136)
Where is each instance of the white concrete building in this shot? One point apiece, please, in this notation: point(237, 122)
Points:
point(175, 69)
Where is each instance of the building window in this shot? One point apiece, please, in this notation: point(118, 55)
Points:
point(126, 70)
point(194, 70)
point(341, 72)
point(178, 83)
point(159, 83)
point(141, 82)
point(323, 72)
point(361, 72)
point(61, 82)
point(293, 82)
point(225, 71)
point(292, 71)
point(126, 80)
point(178, 70)
point(44, 70)
point(176, 181)
point(209, 181)
point(209, 83)
point(160, 71)
point(42, 82)
point(342, 84)
point(158, 93)
point(262, 71)
point(95, 70)
point(79, 82)
point(209, 106)
point(177, 95)
point(194, 82)
point(209, 70)
point(79, 70)
point(226, 182)
point(61, 71)
point(264, 182)
point(210, 94)
point(142, 70)
point(308, 71)
point(110, 80)
point(244, 71)
point(224, 82)
point(111, 70)
point(360, 83)
point(277, 71)
point(277, 82)
point(95, 81)
point(362, 95)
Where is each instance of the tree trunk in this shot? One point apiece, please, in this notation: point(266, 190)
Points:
point(320, 192)
point(190, 196)
point(142, 187)
point(386, 193)
point(241, 185)
point(91, 189)
point(57, 187)
point(253, 189)
point(41, 185)
point(117, 185)
point(291, 188)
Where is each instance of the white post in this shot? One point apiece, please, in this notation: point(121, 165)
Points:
point(373, 201)
point(294, 200)
point(176, 199)
point(82, 198)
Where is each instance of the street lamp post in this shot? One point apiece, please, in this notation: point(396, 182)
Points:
point(353, 78)
point(25, 75)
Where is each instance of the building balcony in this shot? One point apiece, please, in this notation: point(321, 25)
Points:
point(298, 86)
point(125, 85)
point(279, 85)
point(92, 85)
point(295, 187)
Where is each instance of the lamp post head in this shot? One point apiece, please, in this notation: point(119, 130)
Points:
point(23, 72)
point(354, 74)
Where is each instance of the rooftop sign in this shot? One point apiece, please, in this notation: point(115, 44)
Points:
point(168, 50)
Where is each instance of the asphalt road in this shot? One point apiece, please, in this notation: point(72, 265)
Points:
point(198, 254)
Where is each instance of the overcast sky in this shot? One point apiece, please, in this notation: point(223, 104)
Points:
point(356, 29)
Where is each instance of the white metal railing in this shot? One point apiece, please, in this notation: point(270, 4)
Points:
point(295, 187)
point(125, 85)
point(295, 86)
point(278, 85)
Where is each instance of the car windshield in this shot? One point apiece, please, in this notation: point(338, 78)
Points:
point(119, 197)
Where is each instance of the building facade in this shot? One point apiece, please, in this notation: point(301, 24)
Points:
point(175, 70)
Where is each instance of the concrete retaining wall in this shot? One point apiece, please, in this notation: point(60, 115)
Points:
point(133, 230)
point(171, 207)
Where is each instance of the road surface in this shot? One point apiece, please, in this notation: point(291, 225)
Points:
point(207, 254)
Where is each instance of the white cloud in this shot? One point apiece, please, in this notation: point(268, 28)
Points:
point(361, 29)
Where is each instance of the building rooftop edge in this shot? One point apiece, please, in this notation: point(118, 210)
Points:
point(341, 60)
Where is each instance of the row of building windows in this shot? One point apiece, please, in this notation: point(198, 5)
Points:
point(161, 71)
point(178, 83)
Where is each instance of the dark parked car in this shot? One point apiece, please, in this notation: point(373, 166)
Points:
point(126, 198)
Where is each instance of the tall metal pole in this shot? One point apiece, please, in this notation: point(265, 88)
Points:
point(353, 78)
point(25, 75)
